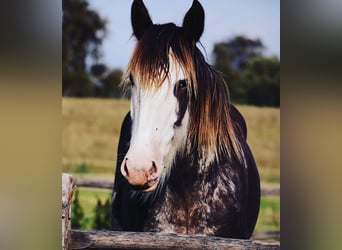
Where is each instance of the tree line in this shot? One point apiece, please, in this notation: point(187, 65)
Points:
point(253, 78)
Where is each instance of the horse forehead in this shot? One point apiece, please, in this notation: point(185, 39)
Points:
point(174, 74)
point(165, 75)
point(175, 67)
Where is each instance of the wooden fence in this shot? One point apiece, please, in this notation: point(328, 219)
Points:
point(108, 184)
point(91, 239)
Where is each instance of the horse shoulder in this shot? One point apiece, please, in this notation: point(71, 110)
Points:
point(253, 180)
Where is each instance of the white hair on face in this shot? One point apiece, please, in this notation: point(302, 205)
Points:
point(154, 112)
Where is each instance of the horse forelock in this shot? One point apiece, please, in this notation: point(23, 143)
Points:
point(210, 127)
point(150, 61)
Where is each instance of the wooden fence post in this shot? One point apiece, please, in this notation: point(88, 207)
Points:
point(67, 192)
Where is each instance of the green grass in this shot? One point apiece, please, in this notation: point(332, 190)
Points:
point(88, 198)
point(269, 215)
point(90, 136)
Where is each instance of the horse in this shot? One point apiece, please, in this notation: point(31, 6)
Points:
point(183, 164)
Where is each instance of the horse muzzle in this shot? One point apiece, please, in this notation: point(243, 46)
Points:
point(143, 178)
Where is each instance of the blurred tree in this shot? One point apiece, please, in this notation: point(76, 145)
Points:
point(102, 220)
point(98, 216)
point(83, 30)
point(110, 84)
point(106, 216)
point(77, 213)
point(252, 77)
point(98, 70)
point(77, 83)
point(237, 51)
point(262, 76)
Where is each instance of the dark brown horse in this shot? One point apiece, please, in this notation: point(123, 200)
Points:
point(184, 165)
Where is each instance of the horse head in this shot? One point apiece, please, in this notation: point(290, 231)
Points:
point(161, 75)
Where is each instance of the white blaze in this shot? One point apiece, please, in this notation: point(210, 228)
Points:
point(154, 136)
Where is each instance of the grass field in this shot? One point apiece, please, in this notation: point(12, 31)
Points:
point(90, 134)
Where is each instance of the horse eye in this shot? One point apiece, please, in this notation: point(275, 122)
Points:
point(182, 84)
point(131, 80)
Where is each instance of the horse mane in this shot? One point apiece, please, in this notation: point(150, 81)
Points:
point(210, 128)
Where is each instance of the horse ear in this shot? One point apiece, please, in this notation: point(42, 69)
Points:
point(193, 23)
point(140, 18)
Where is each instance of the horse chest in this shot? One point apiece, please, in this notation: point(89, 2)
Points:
point(201, 208)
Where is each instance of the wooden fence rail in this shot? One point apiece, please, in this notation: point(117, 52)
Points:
point(108, 184)
point(89, 239)
point(94, 183)
point(82, 239)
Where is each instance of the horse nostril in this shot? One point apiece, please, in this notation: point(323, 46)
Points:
point(153, 171)
point(126, 169)
point(154, 167)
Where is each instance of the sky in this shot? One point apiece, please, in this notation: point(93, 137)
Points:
point(224, 19)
